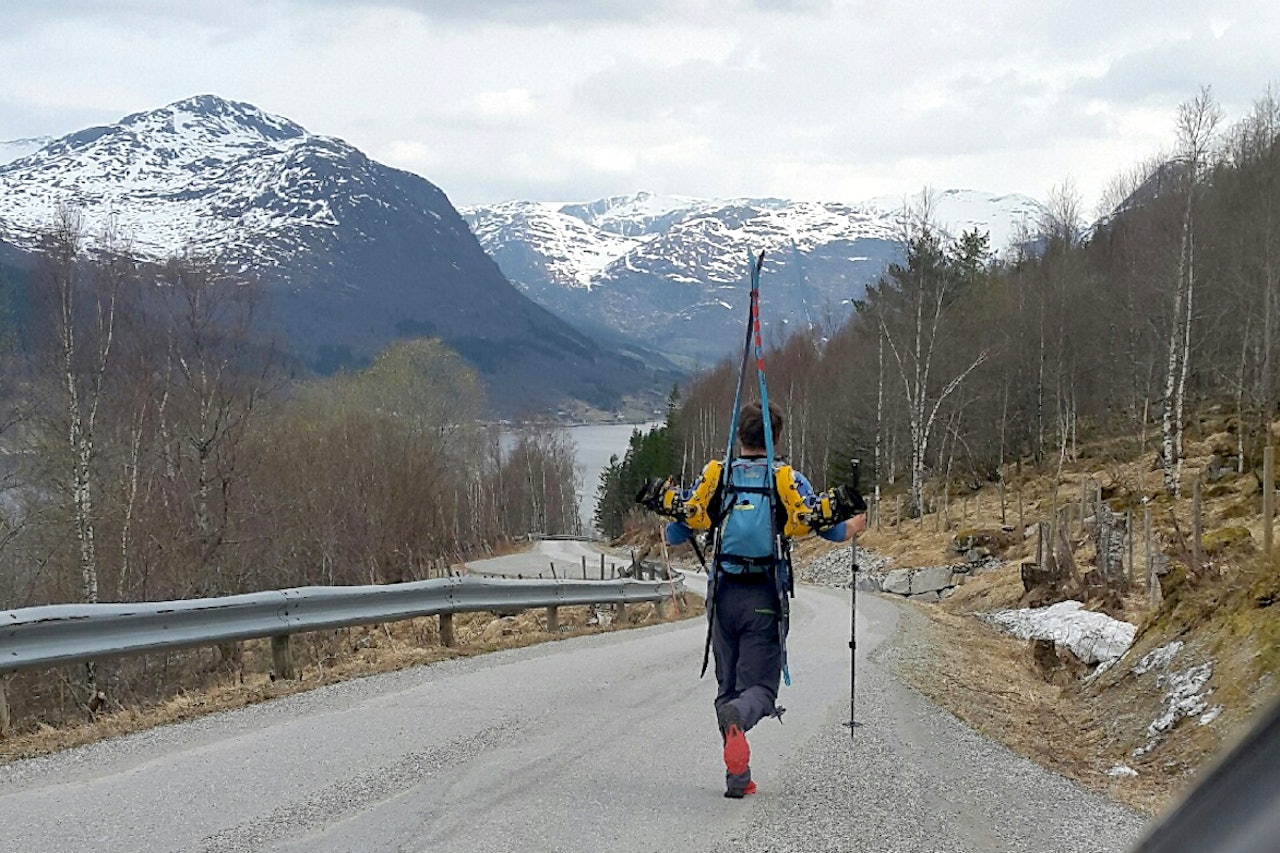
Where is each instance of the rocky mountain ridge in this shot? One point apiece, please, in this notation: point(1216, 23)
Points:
point(672, 269)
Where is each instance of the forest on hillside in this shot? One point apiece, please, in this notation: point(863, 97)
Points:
point(962, 360)
point(155, 446)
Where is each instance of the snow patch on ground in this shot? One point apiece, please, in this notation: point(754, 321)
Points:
point(1185, 693)
point(1158, 658)
point(1183, 696)
point(1092, 637)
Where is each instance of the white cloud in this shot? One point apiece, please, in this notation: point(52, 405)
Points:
point(570, 100)
point(504, 105)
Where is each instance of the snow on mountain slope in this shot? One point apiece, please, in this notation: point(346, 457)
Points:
point(1003, 217)
point(194, 174)
point(632, 216)
point(571, 252)
point(16, 149)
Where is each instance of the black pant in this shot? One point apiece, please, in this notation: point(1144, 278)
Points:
point(747, 649)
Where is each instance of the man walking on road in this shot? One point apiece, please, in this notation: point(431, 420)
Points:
point(749, 582)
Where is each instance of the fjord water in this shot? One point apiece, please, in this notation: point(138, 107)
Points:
point(595, 444)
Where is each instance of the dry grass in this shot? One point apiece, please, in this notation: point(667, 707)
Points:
point(328, 657)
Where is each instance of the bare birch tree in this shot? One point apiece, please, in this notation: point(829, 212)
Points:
point(911, 306)
point(84, 296)
point(1197, 121)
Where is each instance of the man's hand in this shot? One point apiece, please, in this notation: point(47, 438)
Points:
point(847, 501)
point(662, 496)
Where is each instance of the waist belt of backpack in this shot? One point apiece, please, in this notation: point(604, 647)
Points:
point(749, 565)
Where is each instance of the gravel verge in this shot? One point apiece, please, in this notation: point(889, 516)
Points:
point(889, 788)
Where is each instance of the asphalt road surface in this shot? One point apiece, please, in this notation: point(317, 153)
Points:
point(604, 743)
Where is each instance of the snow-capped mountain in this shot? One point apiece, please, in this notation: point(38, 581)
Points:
point(672, 270)
point(352, 253)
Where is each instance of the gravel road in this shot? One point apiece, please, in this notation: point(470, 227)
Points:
point(589, 744)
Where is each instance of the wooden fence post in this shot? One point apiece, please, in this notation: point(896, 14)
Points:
point(584, 566)
point(1128, 534)
point(553, 619)
point(1084, 504)
point(553, 570)
point(1197, 524)
point(446, 630)
point(1153, 582)
point(282, 657)
point(1268, 498)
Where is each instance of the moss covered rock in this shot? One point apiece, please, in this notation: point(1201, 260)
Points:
point(992, 539)
point(1227, 539)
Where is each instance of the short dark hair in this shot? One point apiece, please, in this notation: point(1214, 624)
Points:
point(751, 425)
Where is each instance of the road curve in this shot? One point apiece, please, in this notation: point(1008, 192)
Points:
point(604, 742)
point(565, 554)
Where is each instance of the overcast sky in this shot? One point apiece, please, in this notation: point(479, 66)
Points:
point(576, 99)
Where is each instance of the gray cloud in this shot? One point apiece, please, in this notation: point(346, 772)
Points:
point(1232, 62)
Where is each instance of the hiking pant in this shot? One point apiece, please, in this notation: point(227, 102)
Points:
point(744, 640)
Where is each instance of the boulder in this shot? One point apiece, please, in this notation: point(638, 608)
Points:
point(898, 582)
point(869, 583)
point(931, 580)
point(988, 566)
point(1219, 467)
point(930, 597)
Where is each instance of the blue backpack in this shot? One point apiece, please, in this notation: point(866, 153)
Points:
point(748, 530)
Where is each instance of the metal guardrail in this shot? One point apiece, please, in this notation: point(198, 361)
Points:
point(70, 633)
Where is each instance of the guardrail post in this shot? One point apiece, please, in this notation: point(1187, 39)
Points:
point(5, 722)
point(282, 657)
point(622, 611)
point(446, 630)
point(553, 620)
point(660, 608)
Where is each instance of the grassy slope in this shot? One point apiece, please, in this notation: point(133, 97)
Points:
point(1080, 727)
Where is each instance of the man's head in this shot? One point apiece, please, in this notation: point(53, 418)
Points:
point(751, 426)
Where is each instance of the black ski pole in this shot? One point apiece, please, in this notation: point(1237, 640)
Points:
point(853, 610)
